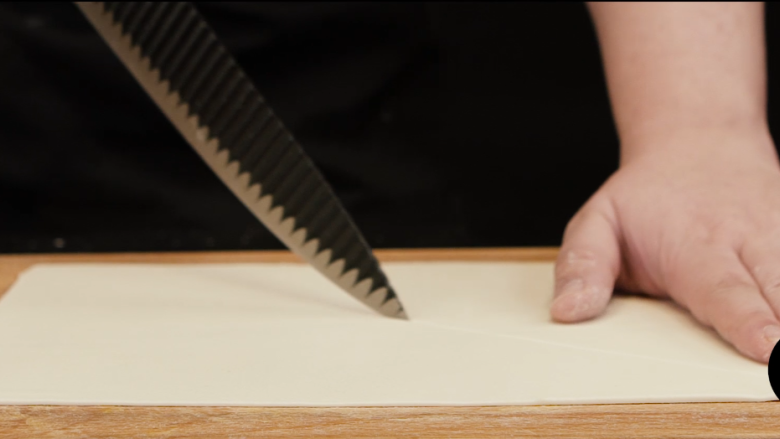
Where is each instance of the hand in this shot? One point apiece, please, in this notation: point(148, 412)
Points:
point(696, 219)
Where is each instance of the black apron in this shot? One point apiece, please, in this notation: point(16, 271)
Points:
point(437, 124)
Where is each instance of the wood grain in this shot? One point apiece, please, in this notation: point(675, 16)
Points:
point(723, 420)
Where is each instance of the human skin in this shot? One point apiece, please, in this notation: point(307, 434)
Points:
point(693, 212)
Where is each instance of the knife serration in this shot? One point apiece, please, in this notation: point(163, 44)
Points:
point(193, 79)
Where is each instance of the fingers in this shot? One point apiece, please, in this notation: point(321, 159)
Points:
point(720, 292)
point(762, 259)
point(587, 266)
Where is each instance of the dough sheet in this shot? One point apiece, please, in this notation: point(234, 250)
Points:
point(282, 335)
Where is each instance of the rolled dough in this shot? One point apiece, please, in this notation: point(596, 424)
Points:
point(282, 335)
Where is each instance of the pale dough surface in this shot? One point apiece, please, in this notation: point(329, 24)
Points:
point(282, 335)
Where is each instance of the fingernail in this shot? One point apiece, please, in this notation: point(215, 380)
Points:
point(772, 334)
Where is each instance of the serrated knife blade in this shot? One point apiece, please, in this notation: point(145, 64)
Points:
point(178, 60)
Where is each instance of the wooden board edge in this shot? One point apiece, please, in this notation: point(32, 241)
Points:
point(700, 420)
point(11, 265)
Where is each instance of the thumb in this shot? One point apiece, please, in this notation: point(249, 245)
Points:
point(587, 265)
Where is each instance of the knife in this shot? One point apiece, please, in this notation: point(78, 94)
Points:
point(178, 60)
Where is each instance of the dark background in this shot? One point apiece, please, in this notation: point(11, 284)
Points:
point(438, 124)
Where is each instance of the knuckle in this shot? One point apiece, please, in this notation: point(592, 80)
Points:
point(583, 214)
point(728, 282)
point(571, 226)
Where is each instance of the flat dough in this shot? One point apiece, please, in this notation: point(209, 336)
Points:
point(282, 335)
